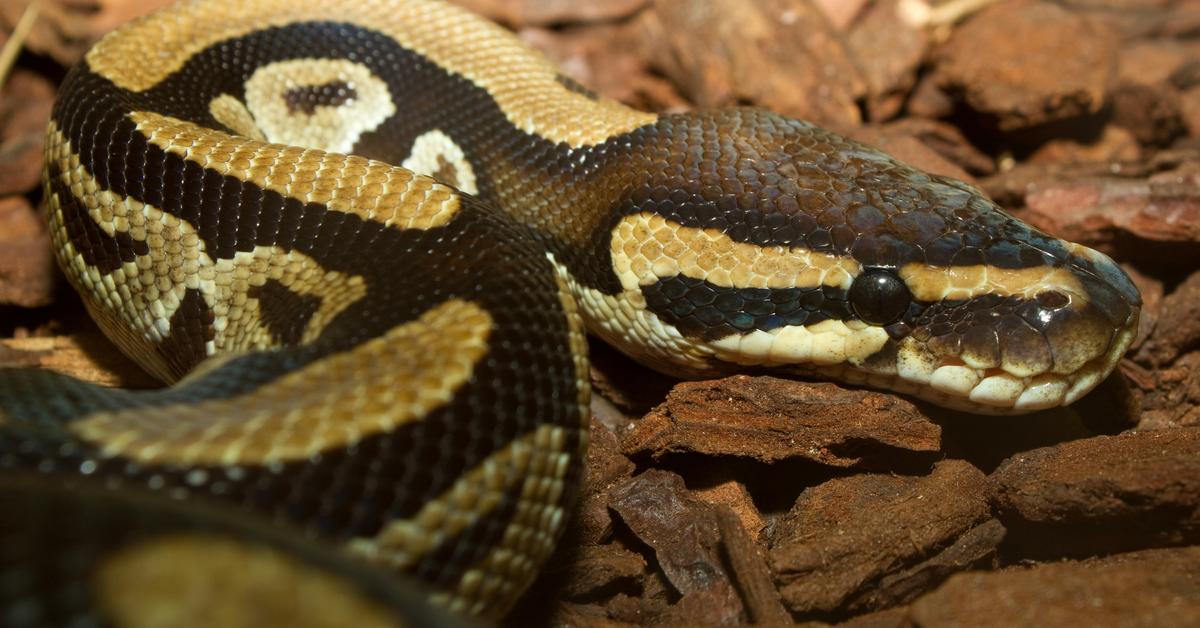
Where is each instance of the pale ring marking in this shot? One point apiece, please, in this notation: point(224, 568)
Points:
point(525, 86)
point(330, 128)
point(435, 155)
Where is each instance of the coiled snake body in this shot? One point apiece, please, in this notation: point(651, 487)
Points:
point(397, 364)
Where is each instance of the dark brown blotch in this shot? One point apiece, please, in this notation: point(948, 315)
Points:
point(307, 98)
point(575, 86)
point(283, 312)
point(446, 173)
point(192, 327)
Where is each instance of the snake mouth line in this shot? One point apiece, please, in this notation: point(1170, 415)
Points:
point(952, 383)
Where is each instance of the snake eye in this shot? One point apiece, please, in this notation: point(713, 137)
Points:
point(879, 297)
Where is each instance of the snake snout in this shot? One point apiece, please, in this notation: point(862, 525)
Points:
point(1100, 323)
point(1022, 352)
point(1109, 285)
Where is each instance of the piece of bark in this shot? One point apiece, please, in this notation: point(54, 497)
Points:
point(1013, 184)
point(519, 13)
point(608, 414)
point(1147, 588)
point(1084, 210)
point(1189, 106)
point(685, 536)
point(929, 100)
point(654, 602)
point(1142, 19)
point(1152, 113)
point(734, 496)
point(842, 13)
point(568, 614)
point(895, 617)
point(1154, 61)
point(86, 356)
point(1177, 329)
point(65, 29)
point(1172, 394)
point(25, 103)
point(1010, 186)
point(728, 52)
point(1113, 143)
point(860, 543)
point(975, 548)
point(709, 606)
point(769, 419)
point(1153, 297)
point(1140, 215)
point(26, 265)
point(1186, 76)
point(889, 48)
point(605, 467)
point(749, 568)
point(610, 59)
point(598, 570)
point(1104, 494)
point(1025, 64)
point(947, 141)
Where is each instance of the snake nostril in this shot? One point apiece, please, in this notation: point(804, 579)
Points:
point(879, 297)
point(1052, 299)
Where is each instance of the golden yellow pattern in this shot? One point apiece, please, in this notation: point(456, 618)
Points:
point(328, 404)
point(532, 469)
point(349, 184)
point(492, 585)
point(186, 580)
point(135, 303)
point(230, 112)
point(647, 247)
point(579, 346)
point(936, 283)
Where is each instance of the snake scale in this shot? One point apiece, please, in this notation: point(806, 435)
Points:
point(364, 239)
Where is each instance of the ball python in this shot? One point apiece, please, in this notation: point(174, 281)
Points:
point(364, 240)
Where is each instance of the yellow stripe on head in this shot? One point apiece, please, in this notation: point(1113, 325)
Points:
point(938, 283)
point(647, 247)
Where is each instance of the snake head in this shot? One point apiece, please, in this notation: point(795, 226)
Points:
point(788, 247)
point(1026, 323)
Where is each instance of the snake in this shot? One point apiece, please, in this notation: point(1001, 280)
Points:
point(364, 241)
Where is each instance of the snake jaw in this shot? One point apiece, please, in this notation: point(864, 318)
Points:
point(1015, 355)
point(1003, 390)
